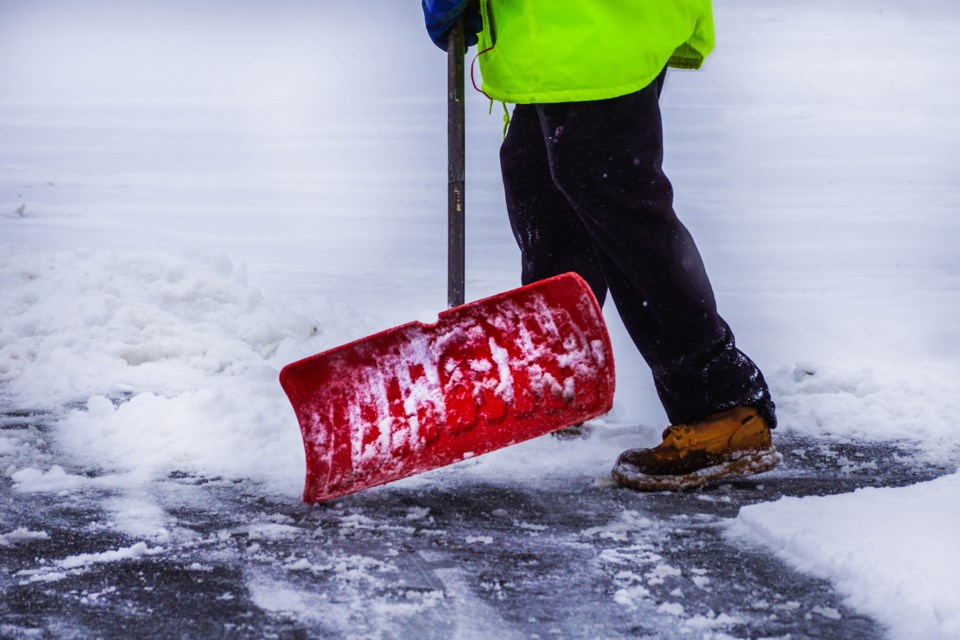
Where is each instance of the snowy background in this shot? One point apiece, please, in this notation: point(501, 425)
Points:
point(193, 195)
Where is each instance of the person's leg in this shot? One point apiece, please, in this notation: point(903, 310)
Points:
point(605, 158)
point(551, 237)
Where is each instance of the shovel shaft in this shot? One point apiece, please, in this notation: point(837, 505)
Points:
point(456, 172)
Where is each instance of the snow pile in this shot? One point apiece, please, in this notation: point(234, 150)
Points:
point(79, 323)
point(917, 404)
point(171, 364)
point(54, 480)
point(174, 361)
point(892, 552)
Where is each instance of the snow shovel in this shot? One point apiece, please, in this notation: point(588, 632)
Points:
point(486, 375)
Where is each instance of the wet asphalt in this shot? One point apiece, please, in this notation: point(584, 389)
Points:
point(448, 560)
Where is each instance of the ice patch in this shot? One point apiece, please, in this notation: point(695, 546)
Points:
point(269, 531)
point(710, 621)
point(659, 574)
point(827, 612)
point(22, 536)
point(133, 552)
point(7, 446)
point(72, 565)
point(631, 592)
point(299, 565)
point(279, 597)
point(55, 480)
point(417, 513)
point(621, 529)
point(138, 515)
point(672, 608)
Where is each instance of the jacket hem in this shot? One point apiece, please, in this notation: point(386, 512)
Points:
point(568, 95)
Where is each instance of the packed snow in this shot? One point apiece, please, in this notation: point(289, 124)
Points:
point(890, 551)
point(168, 241)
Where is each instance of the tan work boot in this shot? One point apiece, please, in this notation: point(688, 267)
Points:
point(730, 444)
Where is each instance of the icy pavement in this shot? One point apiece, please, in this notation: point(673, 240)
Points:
point(450, 557)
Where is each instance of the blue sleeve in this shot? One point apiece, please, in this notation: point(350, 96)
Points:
point(441, 15)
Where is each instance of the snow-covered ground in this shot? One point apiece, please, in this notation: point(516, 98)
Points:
point(191, 197)
point(888, 550)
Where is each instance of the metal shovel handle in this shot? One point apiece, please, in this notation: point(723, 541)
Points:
point(456, 170)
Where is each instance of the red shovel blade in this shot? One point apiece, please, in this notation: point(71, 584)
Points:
point(487, 375)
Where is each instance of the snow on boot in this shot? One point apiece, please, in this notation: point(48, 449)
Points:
point(730, 444)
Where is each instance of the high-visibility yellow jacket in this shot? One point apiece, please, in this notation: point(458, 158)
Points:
point(540, 51)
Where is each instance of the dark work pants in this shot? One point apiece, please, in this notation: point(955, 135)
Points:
point(586, 193)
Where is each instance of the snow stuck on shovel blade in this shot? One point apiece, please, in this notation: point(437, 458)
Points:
point(485, 376)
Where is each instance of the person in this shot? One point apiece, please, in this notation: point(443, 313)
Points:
point(585, 192)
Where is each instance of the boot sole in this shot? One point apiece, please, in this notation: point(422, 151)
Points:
point(742, 465)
